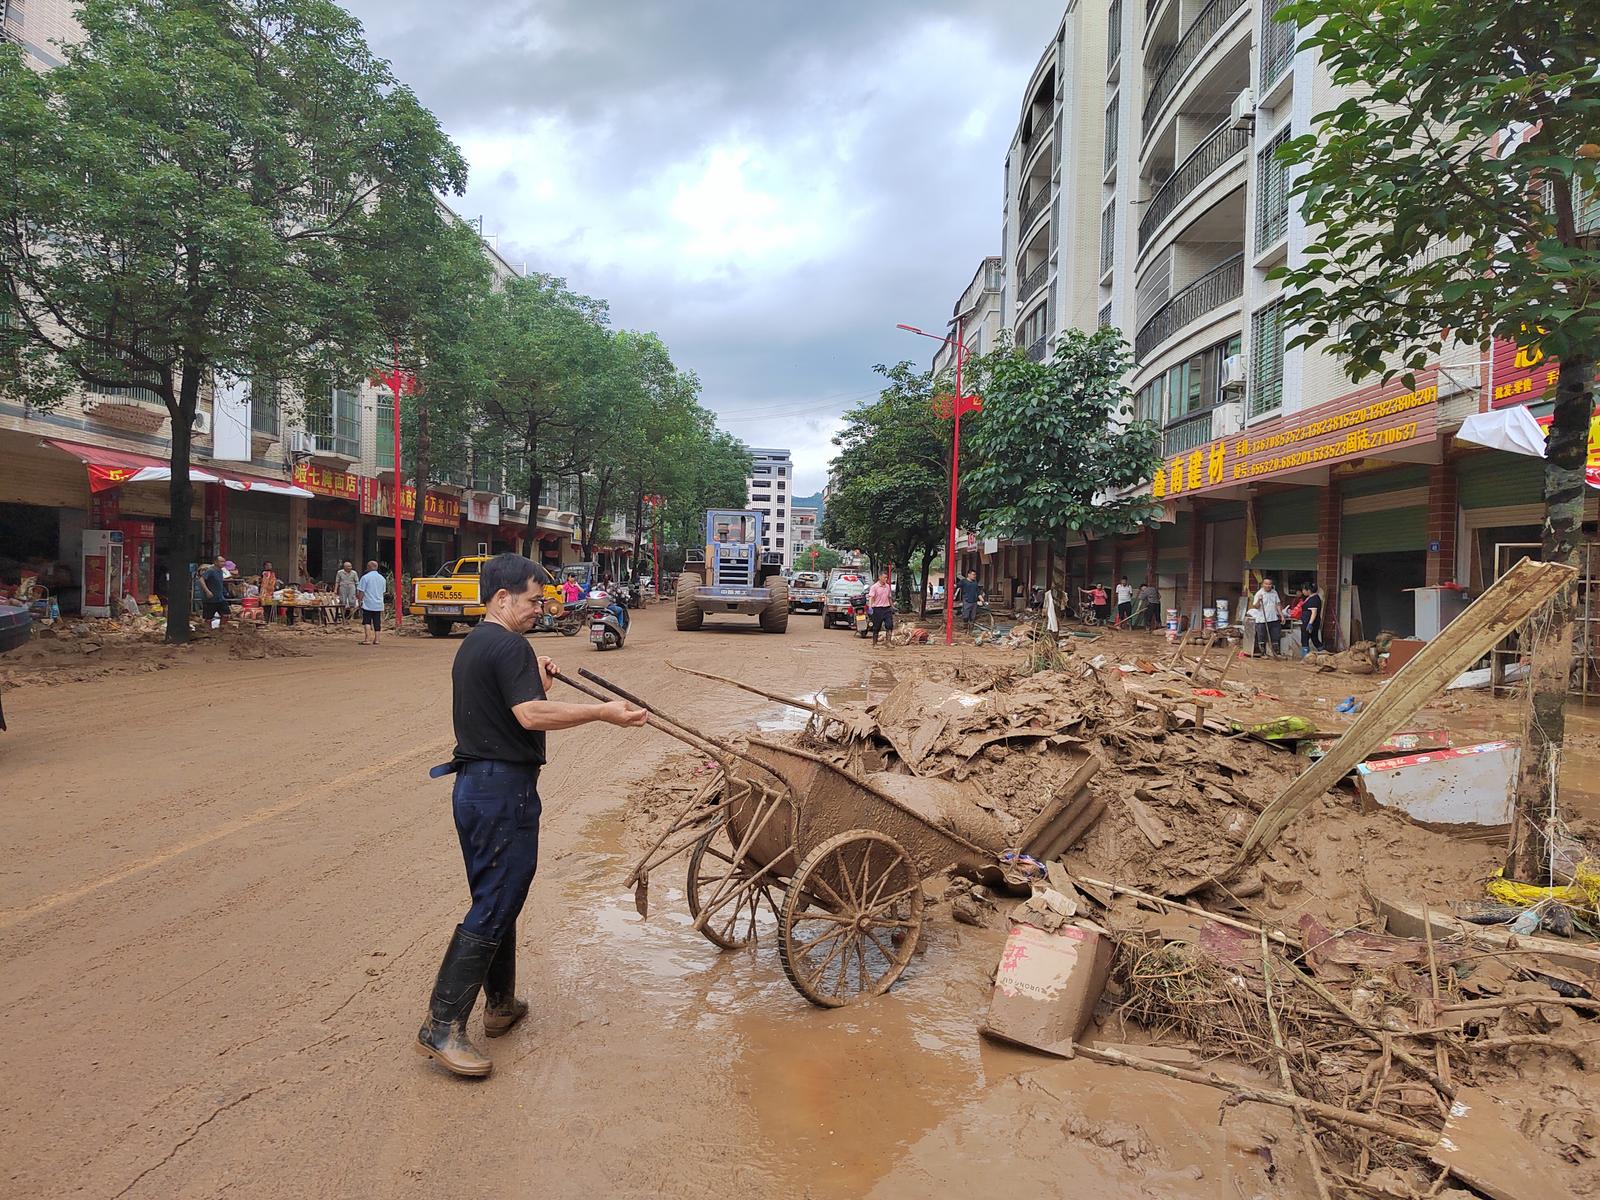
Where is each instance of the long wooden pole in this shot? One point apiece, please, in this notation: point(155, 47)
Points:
point(815, 709)
point(1401, 1131)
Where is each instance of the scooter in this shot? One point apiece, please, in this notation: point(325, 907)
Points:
point(605, 631)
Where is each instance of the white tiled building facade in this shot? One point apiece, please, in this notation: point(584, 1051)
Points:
point(770, 489)
point(1142, 192)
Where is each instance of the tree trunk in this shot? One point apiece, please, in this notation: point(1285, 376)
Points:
point(583, 521)
point(1551, 673)
point(180, 494)
point(423, 463)
point(638, 535)
point(530, 452)
point(602, 489)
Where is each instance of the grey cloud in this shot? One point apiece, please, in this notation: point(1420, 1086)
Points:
point(853, 108)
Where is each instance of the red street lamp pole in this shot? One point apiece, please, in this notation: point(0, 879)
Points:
point(959, 405)
point(400, 383)
point(655, 504)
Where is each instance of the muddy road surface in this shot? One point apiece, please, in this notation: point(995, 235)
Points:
point(227, 887)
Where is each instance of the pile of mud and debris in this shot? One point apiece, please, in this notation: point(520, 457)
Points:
point(76, 650)
point(1431, 1027)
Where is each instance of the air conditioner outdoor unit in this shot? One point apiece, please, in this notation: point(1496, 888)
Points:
point(1233, 373)
point(1244, 111)
point(300, 442)
point(202, 423)
point(1227, 418)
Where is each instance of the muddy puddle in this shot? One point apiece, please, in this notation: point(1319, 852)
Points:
point(894, 1096)
point(875, 684)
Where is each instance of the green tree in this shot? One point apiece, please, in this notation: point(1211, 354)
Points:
point(1454, 199)
point(187, 194)
point(1056, 449)
point(827, 558)
point(892, 477)
point(535, 354)
point(428, 287)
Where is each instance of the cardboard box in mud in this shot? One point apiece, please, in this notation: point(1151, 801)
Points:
point(1047, 986)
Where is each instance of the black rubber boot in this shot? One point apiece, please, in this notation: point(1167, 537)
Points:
point(501, 1008)
point(443, 1035)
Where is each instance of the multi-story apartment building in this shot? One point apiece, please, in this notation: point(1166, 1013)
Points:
point(803, 526)
point(979, 314)
point(1142, 191)
point(768, 486)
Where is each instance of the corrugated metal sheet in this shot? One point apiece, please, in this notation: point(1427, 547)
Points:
point(1385, 481)
point(1287, 512)
point(1379, 532)
point(1285, 560)
point(1498, 480)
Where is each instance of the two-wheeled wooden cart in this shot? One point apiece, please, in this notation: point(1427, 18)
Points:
point(783, 843)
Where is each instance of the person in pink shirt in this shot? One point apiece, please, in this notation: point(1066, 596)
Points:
point(880, 608)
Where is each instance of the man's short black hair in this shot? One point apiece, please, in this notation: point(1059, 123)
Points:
point(511, 572)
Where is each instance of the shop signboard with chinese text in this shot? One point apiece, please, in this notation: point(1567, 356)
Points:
point(1340, 431)
point(483, 510)
point(377, 500)
point(1519, 374)
point(341, 485)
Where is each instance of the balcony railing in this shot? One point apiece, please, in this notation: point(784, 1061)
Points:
point(1277, 45)
point(1112, 125)
point(1191, 431)
point(1105, 315)
point(1036, 351)
point(1113, 34)
point(1218, 286)
point(1032, 282)
point(1184, 55)
point(1032, 205)
point(1041, 135)
point(1222, 145)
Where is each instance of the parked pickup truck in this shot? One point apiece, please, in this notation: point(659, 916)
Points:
point(450, 596)
point(808, 591)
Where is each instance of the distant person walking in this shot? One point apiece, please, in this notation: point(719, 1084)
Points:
point(214, 581)
point(1310, 620)
point(1124, 601)
point(880, 608)
point(372, 586)
point(344, 582)
point(1269, 626)
point(967, 595)
point(1150, 602)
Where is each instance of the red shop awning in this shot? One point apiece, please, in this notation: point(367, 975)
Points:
point(110, 468)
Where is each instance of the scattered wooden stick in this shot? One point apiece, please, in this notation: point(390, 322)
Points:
point(1441, 1054)
point(1122, 889)
point(1400, 1131)
point(1307, 1142)
point(815, 709)
point(1377, 1035)
point(1518, 1002)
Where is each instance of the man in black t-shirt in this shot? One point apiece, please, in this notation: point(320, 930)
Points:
point(501, 715)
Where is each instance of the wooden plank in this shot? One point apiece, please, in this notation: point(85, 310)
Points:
point(1514, 597)
point(1482, 1146)
point(1062, 808)
point(1409, 920)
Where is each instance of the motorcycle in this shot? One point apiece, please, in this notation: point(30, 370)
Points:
point(556, 617)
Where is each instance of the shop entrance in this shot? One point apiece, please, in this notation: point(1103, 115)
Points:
point(1379, 600)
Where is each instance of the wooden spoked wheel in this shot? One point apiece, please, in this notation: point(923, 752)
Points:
point(740, 922)
point(851, 918)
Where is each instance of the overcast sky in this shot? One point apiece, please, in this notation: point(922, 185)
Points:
point(771, 185)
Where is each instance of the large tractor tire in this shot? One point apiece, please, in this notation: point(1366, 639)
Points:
point(690, 615)
point(775, 617)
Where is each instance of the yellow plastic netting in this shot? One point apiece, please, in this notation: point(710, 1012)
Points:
point(1584, 890)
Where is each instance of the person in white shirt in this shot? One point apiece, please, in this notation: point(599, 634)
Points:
point(1124, 602)
point(1269, 627)
point(371, 588)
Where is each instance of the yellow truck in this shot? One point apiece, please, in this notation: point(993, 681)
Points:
point(449, 597)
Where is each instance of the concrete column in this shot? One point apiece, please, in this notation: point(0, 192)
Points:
point(1193, 599)
point(1441, 524)
point(297, 539)
point(1330, 513)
